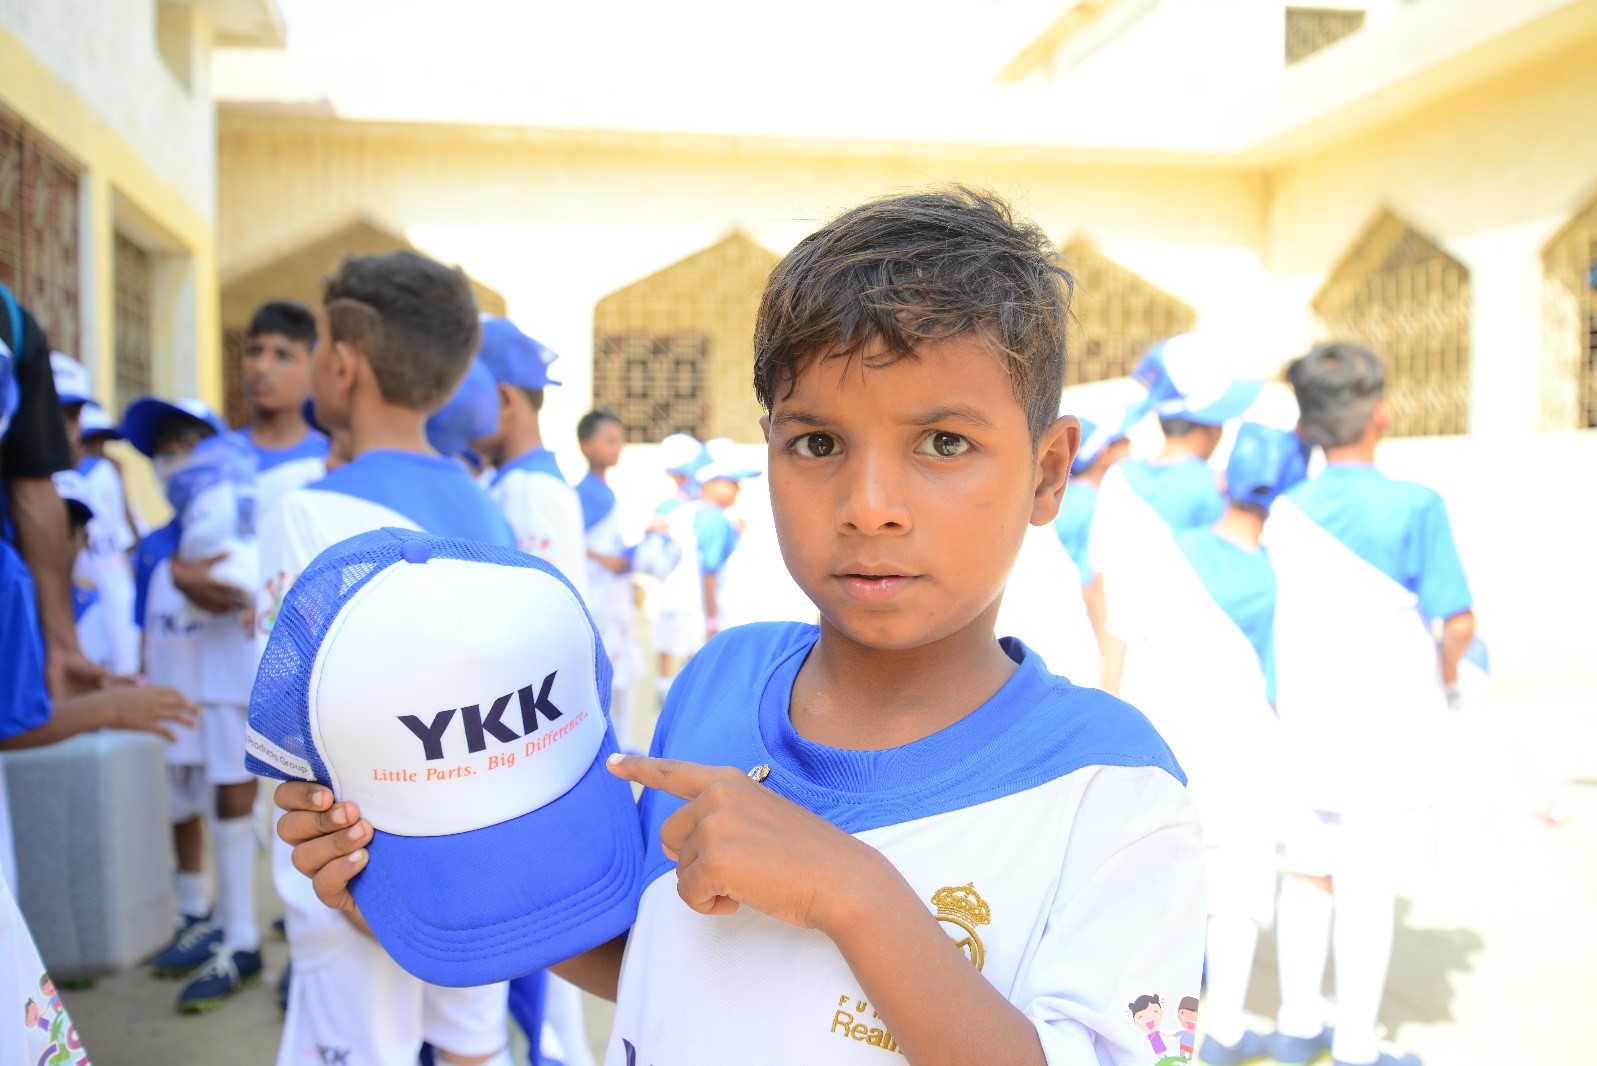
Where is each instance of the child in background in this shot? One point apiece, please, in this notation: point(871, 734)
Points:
point(527, 483)
point(276, 367)
point(211, 658)
point(1200, 662)
point(1102, 446)
point(398, 332)
point(891, 832)
point(610, 597)
point(471, 413)
point(104, 565)
point(88, 613)
point(1365, 566)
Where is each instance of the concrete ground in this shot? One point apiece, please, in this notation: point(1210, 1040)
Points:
point(1493, 953)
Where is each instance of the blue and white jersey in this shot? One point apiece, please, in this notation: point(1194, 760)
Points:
point(609, 594)
point(1049, 831)
point(210, 658)
point(545, 513)
point(1141, 503)
point(280, 470)
point(106, 566)
point(92, 625)
point(109, 531)
point(1363, 565)
point(1075, 523)
point(24, 699)
point(708, 538)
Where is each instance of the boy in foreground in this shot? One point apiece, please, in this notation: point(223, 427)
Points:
point(1366, 570)
point(398, 332)
point(892, 832)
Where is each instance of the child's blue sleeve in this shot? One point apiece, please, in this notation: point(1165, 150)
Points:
point(1440, 584)
point(24, 699)
point(717, 538)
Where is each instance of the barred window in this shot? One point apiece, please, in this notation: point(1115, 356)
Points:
point(39, 232)
point(674, 352)
point(1309, 29)
point(1401, 295)
point(1569, 271)
point(1118, 315)
point(133, 341)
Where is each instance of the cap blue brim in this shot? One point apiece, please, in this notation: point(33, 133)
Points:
point(498, 903)
point(145, 416)
point(109, 433)
point(68, 398)
point(1237, 398)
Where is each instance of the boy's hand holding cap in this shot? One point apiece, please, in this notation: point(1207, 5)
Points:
point(458, 693)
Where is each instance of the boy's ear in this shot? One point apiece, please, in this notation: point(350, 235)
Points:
point(765, 427)
point(1055, 454)
point(1381, 417)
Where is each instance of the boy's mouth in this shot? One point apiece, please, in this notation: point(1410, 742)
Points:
point(873, 584)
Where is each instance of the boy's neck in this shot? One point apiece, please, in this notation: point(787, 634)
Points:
point(383, 427)
point(1177, 449)
point(597, 471)
point(521, 437)
point(277, 429)
point(852, 696)
point(1361, 452)
point(1241, 526)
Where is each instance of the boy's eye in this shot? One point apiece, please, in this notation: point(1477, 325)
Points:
point(815, 445)
point(944, 445)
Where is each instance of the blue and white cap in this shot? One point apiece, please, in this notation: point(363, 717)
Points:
point(72, 487)
point(472, 412)
point(1186, 378)
point(458, 692)
point(1096, 436)
point(1264, 463)
point(223, 458)
point(145, 415)
point(72, 384)
point(513, 357)
point(683, 454)
point(723, 461)
point(94, 422)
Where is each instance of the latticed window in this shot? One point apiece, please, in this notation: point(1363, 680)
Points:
point(1569, 380)
point(39, 232)
point(1398, 293)
point(1119, 316)
point(133, 340)
point(235, 405)
point(1309, 29)
point(674, 352)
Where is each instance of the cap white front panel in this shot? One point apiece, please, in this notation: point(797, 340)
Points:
point(451, 695)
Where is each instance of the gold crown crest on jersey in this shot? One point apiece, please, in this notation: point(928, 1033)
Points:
point(963, 908)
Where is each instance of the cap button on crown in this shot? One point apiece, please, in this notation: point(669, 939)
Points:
point(415, 551)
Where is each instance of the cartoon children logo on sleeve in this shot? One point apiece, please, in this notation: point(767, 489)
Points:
point(1147, 1014)
point(56, 1034)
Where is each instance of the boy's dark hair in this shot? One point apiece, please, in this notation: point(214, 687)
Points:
point(1143, 1003)
point(589, 423)
point(921, 267)
point(534, 397)
point(1179, 427)
point(1338, 386)
point(414, 319)
point(1188, 1003)
point(179, 427)
point(293, 320)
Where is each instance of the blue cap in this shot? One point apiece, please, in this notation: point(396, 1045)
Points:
point(72, 383)
point(222, 458)
point(1264, 463)
point(1186, 378)
point(683, 454)
point(145, 415)
point(512, 357)
point(1096, 436)
point(472, 412)
point(94, 422)
point(459, 693)
point(73, 488)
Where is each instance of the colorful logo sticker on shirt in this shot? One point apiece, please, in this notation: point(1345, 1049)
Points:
point(59, 1038)
point(964, 909)
point(1169, 1048)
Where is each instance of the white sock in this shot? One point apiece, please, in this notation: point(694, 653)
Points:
point(1366, 914)
point(1302, 940)
point(562, 1012)
point(235, 882)
point(193, 894)
point(1232, 940)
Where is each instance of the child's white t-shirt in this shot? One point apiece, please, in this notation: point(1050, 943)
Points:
point(1049, 831)
point(545, 514)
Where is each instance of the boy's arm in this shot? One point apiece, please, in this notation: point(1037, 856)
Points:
point(712, 617)
point(143, 709)
point(1458, 632)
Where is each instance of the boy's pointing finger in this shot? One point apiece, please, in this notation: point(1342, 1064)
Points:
point(685, 780)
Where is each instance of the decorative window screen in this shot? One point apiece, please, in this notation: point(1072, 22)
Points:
point(1569, 271)
point(1118, 316)
point(674, 352)
point(1398, 293)
point(133, 340)
point(39, 233)
point(1309, 29)
point(235, 405)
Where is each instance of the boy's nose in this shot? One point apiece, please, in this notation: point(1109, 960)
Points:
point(873, 496)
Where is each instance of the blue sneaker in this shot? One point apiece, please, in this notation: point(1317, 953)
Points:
point(1251, 1048)
point(190, 947)
point(1384, 1060)
point(225, 974)
point(1294, 1050)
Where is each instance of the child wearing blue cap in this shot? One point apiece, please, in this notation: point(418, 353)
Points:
point(1102, 446)
point(601, 436)
point(210, 657)
point(527, 484)
point(892, 831)
point(397, 335)
point(1368, 575)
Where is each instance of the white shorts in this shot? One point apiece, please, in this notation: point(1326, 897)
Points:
point(1399, 843)
point(679, 632)
point(188, 792)
point(1241, 880)
point(361, 1007)
point(217, 744)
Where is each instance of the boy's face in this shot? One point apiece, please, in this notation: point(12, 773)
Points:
point(901, 491)
point(1188, 1019)
point(173, 443)
point(71, 414)
point(720, 492)
point(277, 372)
point(603, 447)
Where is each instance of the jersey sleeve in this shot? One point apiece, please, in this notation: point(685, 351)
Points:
point(1440, 584)
point(716, 537)
point(288, 541)
point(24, 700)
point(1127, 922)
